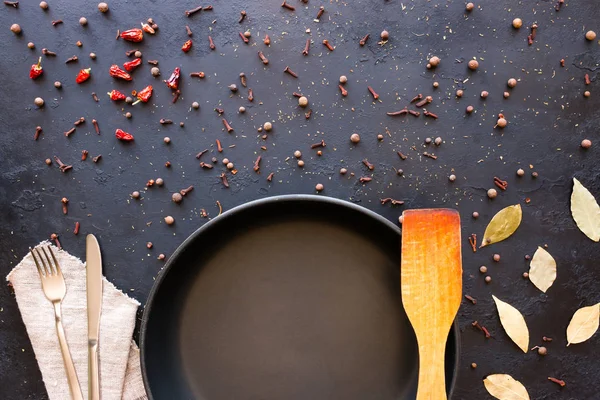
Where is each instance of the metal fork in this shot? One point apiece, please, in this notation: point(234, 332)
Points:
point(53, 285)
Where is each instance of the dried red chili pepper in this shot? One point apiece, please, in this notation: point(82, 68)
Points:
point(36, 69)
point(147, 28)
point(144, 95)
point(124, 136)
point(117, 72)
point(173, 81)
point(116, 95)
point(187, 46)
point(133, 35)
point(131, 65)
point(83, 75)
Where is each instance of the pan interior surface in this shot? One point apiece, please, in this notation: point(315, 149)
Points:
point(285, 301)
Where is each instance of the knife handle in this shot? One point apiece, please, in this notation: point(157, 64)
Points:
point(94, 373)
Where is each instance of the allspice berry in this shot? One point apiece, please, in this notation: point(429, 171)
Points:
point(343, 171)
point(137, 54)
point(83, 21)
point(590, 35)
point(436, 84)
point(542, 351)
point(267, 126)
point(31, 45)
point(452, 178)
point(434, 61)
point(520, 172)
point(483, 269)
point(470, 6)
point(15, 28)
point(473, 65)
point(229, 166)
point(586, 143)
point(57, 84)
point(38, 101)
point(512, 82)
point(459, 93)
point(248, 34)
point(517, 23)
point(93, 56)
point(297, 154)
point(167, 140)
point(343, 79)
point(135, 195)
point(242, 109)
point(470, 109)
point(44, 5)
point(355, 138)
point(526, 275)
point(300, 163)
point(159, 181)
point(506, 95)
point(103, 7)
point(587, 93)
point(473, 365)
point(48, 161)
point(492, 193)
point(385, 35)
point(169, 220)
point(195, 105)
point(437, 141)
point(475, 214)
point(155, 71)
point(496, 257)
point(484, 94)
point(176, 197)
point(501, 123)
point(488, 279)
point(319, 187)
point(127, 115)
point(303, 101)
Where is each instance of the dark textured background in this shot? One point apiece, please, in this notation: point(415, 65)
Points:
point(547, 114)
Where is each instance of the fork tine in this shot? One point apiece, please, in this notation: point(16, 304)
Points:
point(56, 264)
point(44, 266)
point(52, 272)
point(36, 263)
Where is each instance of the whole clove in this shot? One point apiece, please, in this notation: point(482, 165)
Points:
point(193, 11)
point(224, 180)
point(38, 131)
point(306, 47)
point(95, 123)
point(257, 164)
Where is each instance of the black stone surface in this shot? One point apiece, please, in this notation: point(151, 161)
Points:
point(547, 113)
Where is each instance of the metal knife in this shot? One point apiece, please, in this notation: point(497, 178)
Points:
point(94, 308)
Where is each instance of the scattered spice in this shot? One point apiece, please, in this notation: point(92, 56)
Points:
point(482, 329)
point(473, 242)
point(76, 229)
point(472, 300)
point(557, 381)
point(394, 202)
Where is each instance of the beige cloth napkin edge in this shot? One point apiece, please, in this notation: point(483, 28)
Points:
point(132, 387)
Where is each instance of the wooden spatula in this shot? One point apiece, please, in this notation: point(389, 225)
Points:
point(431, 281)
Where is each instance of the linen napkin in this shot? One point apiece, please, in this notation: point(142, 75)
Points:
point(120, 372)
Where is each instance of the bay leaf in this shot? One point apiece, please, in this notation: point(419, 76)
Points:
point(584, 324)
point(542, 270)
point(505, 387)
point(502, 225)
point(514, 324)
point(585, 211)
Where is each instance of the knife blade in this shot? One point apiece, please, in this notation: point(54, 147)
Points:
point(94, 308)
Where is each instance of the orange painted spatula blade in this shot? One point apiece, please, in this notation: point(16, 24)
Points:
point(431, 281)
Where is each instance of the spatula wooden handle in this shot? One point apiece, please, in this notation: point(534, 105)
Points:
point(432, 377)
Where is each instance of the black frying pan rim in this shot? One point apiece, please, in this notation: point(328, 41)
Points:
point(236, 210)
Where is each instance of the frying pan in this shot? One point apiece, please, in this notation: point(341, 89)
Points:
point(290, 297)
